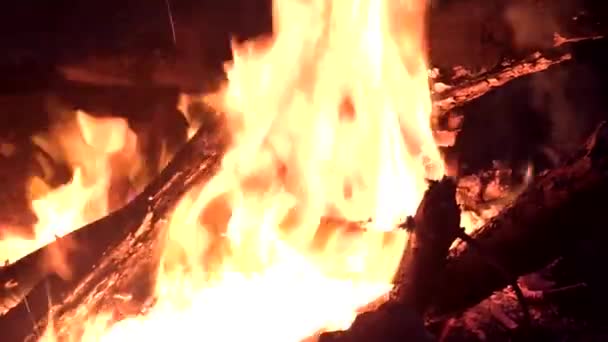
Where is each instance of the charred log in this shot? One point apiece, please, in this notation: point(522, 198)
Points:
point(466, 87)
point(98, 253)
point(545, 215)
point(433, 229)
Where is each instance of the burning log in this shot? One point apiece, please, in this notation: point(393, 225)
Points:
point(453, 102)
point(555, 201)
point(32, 281)
point(433, 229)
point(536, 229)
point(468, 88)
point(542, 216)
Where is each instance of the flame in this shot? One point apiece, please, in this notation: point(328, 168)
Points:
point(331, 147)
point(187, 105)
point(91, 147)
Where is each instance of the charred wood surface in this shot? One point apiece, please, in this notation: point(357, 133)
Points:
point(559, 208)
point(466, 89)
point(469, 87)
point(537, 228)
point(433, 229)
point(103, 254)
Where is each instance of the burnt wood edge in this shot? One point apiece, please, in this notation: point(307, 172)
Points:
point(466, 89)
point(557, 209)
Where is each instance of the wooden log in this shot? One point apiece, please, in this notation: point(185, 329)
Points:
point(533, 231)
point(433, 229)
point(97, 248)
point(561, 207)
point(468, 88)
point(465, 95)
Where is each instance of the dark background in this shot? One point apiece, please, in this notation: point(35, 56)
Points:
point(461, 31)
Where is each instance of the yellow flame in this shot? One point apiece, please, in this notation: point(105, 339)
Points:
point(331, 125)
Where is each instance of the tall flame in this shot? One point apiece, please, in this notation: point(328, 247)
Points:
point(331, 147)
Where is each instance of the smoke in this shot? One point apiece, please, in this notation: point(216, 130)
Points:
point(531, 25)
point(570, 98)
point(550, 97)
point(566, 96)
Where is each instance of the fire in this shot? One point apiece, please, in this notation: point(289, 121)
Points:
point(90, 146)
point(331, 147)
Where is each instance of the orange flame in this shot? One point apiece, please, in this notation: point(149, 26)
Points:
point(88, 145)
point(331, 126)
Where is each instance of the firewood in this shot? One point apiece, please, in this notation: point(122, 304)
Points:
point(474, 278)
point(433, 229)
point(561, 207)
point(468, 88)
point(453, 102)
point(526, 236)
point(97, 252)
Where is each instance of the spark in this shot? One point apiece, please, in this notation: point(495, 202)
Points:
point(171, 23)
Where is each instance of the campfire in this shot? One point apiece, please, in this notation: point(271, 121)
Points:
point(314, 199)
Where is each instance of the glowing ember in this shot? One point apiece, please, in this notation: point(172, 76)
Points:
point(330, 119)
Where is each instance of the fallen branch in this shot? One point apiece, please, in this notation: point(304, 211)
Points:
point(536, 229)
point(36, 275)
point(433, 229)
